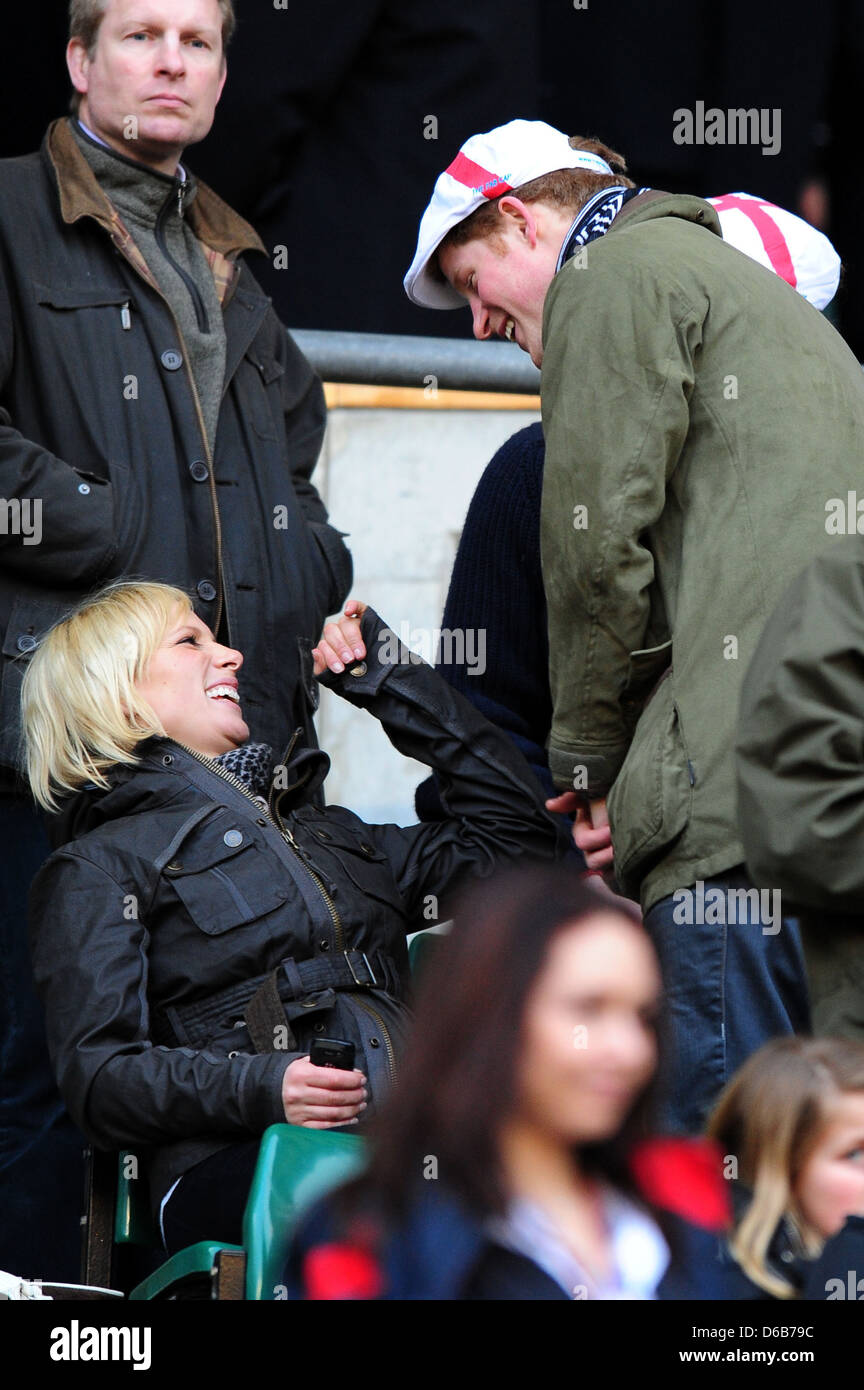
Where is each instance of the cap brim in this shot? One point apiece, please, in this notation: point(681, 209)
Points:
point(427, 290)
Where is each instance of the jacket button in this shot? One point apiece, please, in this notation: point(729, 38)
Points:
point(84, 488)
point(232, 838)
point(199, 470)
point(323, 835)
point(26, 643)
point(358, 670)
point(206, 590)
point(319, 1027)
point(261, 821)
point(174, 867)
point(231, 1055)
point(171, 360)
point(366, 848)
point(324, 945)
point(374, 1042)
point(167, 760)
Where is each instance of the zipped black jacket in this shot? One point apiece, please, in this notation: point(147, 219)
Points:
point(152, 930)
point(100, 424)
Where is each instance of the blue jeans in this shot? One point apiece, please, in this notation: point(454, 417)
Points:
point(41, 1151)
point(730, 985)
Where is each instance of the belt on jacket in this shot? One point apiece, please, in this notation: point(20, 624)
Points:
point(267, 1002)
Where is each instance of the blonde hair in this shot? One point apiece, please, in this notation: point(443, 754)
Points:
point(81, 713)
point(770, 1117)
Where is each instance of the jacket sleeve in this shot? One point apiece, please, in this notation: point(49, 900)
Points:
point(305, 420)
point(59, 524)
point(618, 369)
point(800, 750)
point(492, 801)
point(90, 962)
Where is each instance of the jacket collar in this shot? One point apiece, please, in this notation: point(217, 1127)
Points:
point(653, 202)
point(213, 221)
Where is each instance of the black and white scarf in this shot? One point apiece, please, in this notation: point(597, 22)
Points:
point(594, 219)
point(252, 763)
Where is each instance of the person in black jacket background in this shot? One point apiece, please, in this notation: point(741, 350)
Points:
point(155, 419)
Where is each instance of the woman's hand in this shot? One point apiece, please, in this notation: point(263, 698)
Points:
point(322, 1097)
point(341, 642)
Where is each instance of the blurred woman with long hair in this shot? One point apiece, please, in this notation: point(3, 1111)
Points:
point(514, 1158)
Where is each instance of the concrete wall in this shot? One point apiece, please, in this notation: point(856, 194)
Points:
point(400, 482)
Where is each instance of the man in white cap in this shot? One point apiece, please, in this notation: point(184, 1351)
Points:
point(698, 416)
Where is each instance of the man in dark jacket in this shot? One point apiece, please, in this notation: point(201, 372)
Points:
point(155, 419)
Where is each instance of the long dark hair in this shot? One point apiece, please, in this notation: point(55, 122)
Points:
point(458, 1081)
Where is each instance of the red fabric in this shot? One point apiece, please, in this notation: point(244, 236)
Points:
point(684, 1176)
point(773, 240)
point(464, 170)
point(341, 1272)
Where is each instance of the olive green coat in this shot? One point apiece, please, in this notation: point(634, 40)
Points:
point(699, 414)
point(801, 774)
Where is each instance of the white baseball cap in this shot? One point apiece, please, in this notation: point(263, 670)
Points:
point(786, 244)
point(486, 167)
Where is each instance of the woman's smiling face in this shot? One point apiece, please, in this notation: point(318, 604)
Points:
point(191, 686)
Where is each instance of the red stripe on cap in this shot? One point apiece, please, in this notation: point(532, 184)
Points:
point(773, 240)
point(464, 170)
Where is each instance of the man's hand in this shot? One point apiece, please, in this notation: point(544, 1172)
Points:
point(341, 642)
point(322, 1097)
point(591, 831)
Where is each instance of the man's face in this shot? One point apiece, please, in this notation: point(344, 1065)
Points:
point(151, 85)
point(505, 284)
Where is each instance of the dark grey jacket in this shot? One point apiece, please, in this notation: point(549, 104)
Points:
point(100, 424)
point(154, 928)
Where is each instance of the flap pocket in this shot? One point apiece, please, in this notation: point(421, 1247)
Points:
point(269, 367)
point(354, 854)
point(81, 296)
point(223, 875)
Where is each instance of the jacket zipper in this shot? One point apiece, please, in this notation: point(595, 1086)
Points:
point(161, 242)
point(331, 906)
point(385, 1032)
point(276, 820)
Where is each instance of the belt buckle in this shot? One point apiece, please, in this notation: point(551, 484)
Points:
point(363, 984)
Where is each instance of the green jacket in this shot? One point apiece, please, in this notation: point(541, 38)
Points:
point(800, 763)
point(701, 414)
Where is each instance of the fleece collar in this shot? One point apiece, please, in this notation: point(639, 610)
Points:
point(212, 220)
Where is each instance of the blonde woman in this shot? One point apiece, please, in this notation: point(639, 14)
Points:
point(204, 923)
point(791, 1124)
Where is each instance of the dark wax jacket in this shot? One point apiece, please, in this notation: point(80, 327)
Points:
point(101, 423)
point(179, 886)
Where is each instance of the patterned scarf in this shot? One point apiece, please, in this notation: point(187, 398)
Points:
point(252, 763)
point(594, 219)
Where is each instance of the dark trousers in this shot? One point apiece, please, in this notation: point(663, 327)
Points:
point(209, 1202)
point(730, 985)
point(41, 1151)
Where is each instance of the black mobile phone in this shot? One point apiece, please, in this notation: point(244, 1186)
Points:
point(332, 1052)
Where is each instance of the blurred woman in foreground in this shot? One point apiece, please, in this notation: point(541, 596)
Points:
point(793, 1120)
point(511, 1162)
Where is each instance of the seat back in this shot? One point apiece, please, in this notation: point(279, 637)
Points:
point(295, 1167)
